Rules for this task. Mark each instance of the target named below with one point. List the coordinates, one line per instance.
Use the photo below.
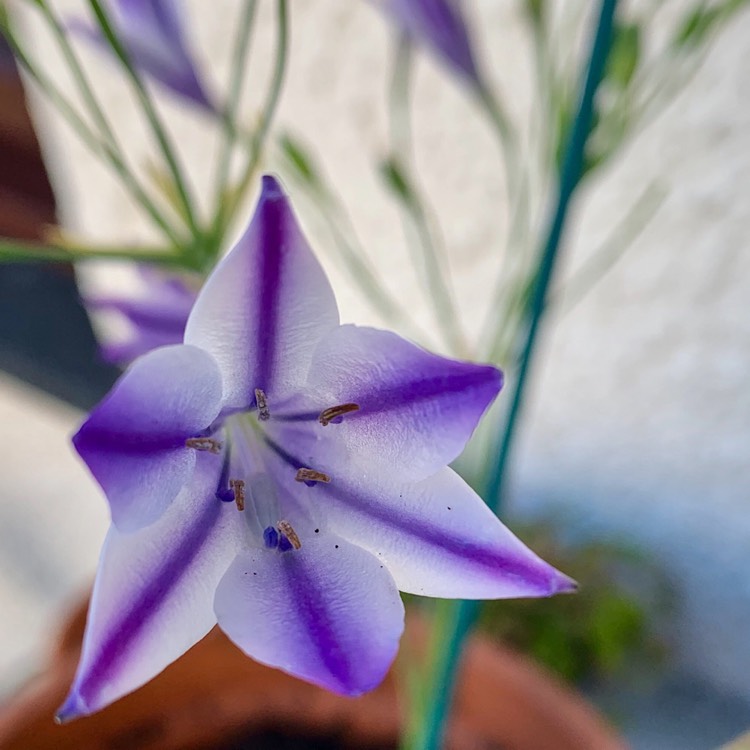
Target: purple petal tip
(271, 188)
(499, 378)
(73, 708)
(563, 584)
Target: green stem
(570, 176)
(425, 252)
(359, 269)
(79, 76)
(332, 212)
(17, 251)
(90, 139)
(237, 76)
(151, 115)
(232, 202)
(398, 98)
(461, 615)
(612, 249)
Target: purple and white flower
(155, 315)
(285, 475)
(439, 25)
(152, 34)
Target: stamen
(270, 537)
(310, 476)
(238, 487)
(335, 413)
(264, 413)
(203, 444)
(285, 528)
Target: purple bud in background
(440, 26)
(154, 317)
(152, 33)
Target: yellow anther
(311, 475)
(238, 487)
(328, 415)
(264, 413)
(203, 444)
(286, 529)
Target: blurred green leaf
(299, 159)
(617, 622)
(600, 630)
(625, 55)
(536, 11)
(701, 21)
(395, 180)
(696, 26)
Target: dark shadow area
(275, 740)
(45, 335)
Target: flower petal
(134, 440)
(328, 612)
(153, 596)
(416, 409)
(437, 538)
(264, 309)
(439, 25)
(153, 37)
(154, 316)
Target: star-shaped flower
(285, 476)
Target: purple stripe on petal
(153, 595)
(265, 307)
(438, 538)
(314, 610)
(271, 216)
(113, 650)
(409, 393)
(134, 441)
(328, 612)
(416, 409)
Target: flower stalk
(461, 616)
(147, 105)
(237, 77)
(232, 199)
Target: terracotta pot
(215, 695)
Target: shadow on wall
(45, 335)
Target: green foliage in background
(608, 627)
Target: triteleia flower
(440, 26)
(155, 315)
(285, 475)
(152, 33)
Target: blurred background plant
(642, 67)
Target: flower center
(282, 537)
(254, 447)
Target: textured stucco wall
(640, 418)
